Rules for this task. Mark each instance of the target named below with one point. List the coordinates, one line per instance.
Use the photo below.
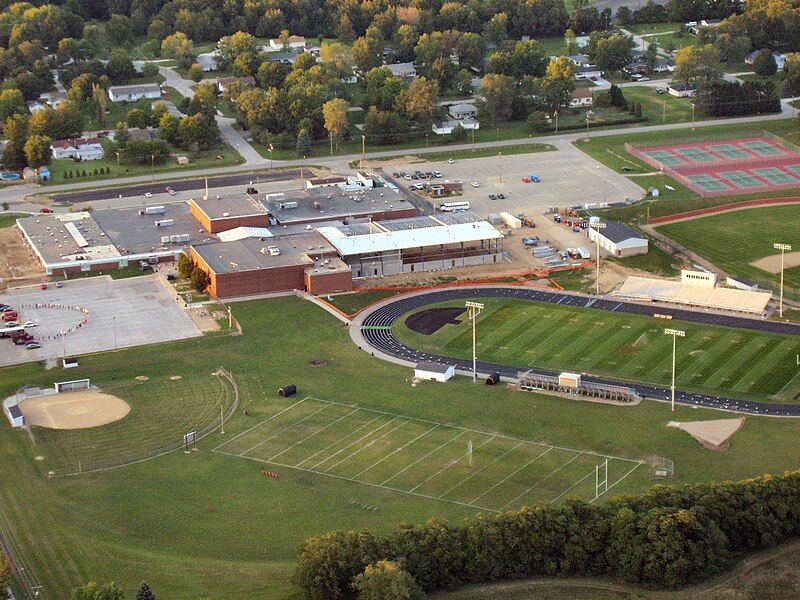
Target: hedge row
(666, 538)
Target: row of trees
(197, 276)
(667, 537)
(109, 591)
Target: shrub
(385, 580)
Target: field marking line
(475, 431)
(636, 466)
(313, 434)
(540, 481)
(421, 458)
(589, 474)
(284, 430)
(450, 464)
(313, 467)
(258, 424)
(348, 479)
(317, 453)
(367, 445)
(506, 478)
(481, 470)
(394, 452)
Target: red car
(10, 316)
(45, 211)
(43, 287)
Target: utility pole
(675, 333)
(597, 225)
(153, 166)
(363, 150)
(783, 248)
(474, 309)
(270, 149)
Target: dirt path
(772, 263)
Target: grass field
(352, 303)
(712, 359)
(8, 219)
(207, 525)
(733, 240)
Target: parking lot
(568, 177)
(121, 313)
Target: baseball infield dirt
(772, 263)
(74, 410)
(714, 435)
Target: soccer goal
(71, 386)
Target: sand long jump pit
(80, 409)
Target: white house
(581, 97)
(298, 42)
(580, 60)
(619, 240)
(588, 72)
(209, 61)
(582, 41)
(434, 371)
(664, 65)
(132, 93)
(694, 27)
(462, 111)
(682, 90)
(405, 70)
(446, 127)
(78, 149)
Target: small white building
(581, 97)
(405, 70)
(132, 93)
(582, 41)
(698, 278)
(78, 149)
(588, 72)
(209, 61)
(13, 413)
(682, 90)
(298, 42)
(463, 111)
(446, 127)
(580, 60)
(434, 371)
(619, 240)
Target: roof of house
(433, 367)
(581, 92)
(464, 107)
(619, 232)
(401, 67)
(683, 87)
(135, 89)
(74, 143)
(290, 39)
(588, 69)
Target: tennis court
(741, 179)
(479, 469)
(722, 167)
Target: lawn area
(352, 303)
(733, 240)
(8, 219)
(656, 261)
(203, 159)
(209, 525)
(476, 153)
(712, 359)
(678, 40)
(648, 28)
(553, 46)
(660, 108)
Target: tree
(303, 146)
(197, 131)
(537, 121)
(185, 266)
(385, 580)
(616, 97)
(145, 152)
(37, 151)
(613, 53)
(764, 63)
(271, 74)
(195, 73)
(367, 53)
(335, 114)
(337, 54)
(121, 134)
(200, 280)
(12, 102)
(119, 67)
(179, 47)
(651, 55)
(16, 132)
(119, 30)
(697, 63)
(495, 32)
(732, 48)
(385, 127)
(499, 91)
(145, 593)
(5, 563)
(137, 118)
(421, 98)
(471, 50)
(459, 134)
(624, 16)
(791, 77)
(94, 591)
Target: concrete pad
(713, 434)
(121, 313)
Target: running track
(376, 329)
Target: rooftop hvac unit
(174, 239)
(155, 210)
(226, 214)
(165, 222)
(184, 237)
(164, 239)
(274, 250)
(286, 205)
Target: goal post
(71, 386)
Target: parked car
(526, 180)
(10, 324)
(33, 346)
(437, 174)
(43, 287)
(644, 79)
(530, 241)
(501, 196)
(492, 197)
(169, 190)
(45, 211)
(148, 195)
(30, 324)
(5, 308)
(171, 277)
(450, 161)
(22, 341)
(10, 315)
(395, 174)
(475, 184)
(59, 284)
(661, 90)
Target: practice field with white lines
(424, 458)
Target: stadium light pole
(675, 333)
(474, 309)
(597, 225)
(783, 248)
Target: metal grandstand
(530, 381)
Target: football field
(478, 469)
(629, 347)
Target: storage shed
(434, 371)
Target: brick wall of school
(226, 223)
(323, 282)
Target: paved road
(371, 330)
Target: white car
(450, 161)
(475, 184)
(31, 324)
(148, 195)
(10, 324)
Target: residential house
(132, 93)
(780, 59)
(581, 97)
(78, 149)
(664, 65)
(588, 72)
(405, 70)
(209, 61)
(446, 127)
(463, 111)
(693, 27)
(224, 82)
(682, 90)
(637, 68)
(298, 42)
(582, 41)
(286, 57)
(580, 60)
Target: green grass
(119, 273)
(775, 81)
(680, 41)
(528, 334)
(656, 261)
(648, 28)
(733, 240)
(208, 525)
(553, 46)
(660, 108)
(352, 303)
(9, 219)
